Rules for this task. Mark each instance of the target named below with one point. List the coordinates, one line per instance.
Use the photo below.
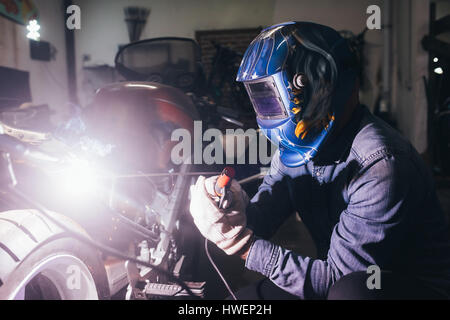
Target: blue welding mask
(298, 76)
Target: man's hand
(224, 227)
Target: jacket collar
(336, 149)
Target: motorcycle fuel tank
(138, 118)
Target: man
(360, 188)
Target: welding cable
(218, 271)
(164, 174)
(100, 246)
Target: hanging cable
(218, 271)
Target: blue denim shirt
(367, 199)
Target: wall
(410, 25)
(442, 8)
(48, 80)
(343, 14)
(104, 29)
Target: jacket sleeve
(368, 233)
(271, 205)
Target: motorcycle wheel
(40, 261)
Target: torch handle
(223, 184)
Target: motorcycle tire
(39, 260)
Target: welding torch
(222, 186)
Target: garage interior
(47, 80)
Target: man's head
(299, 77)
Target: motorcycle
(97, 207)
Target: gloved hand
(224, 227)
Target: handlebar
(19, 149)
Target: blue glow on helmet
(266, 60)
(266, 55)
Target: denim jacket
(367, 199)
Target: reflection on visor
(266, 99)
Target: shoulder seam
(377, 155)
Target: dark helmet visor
(266, 98)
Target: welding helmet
(299, 76)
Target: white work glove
(224, 227)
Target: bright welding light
(78, 179)
(435, 59)
(33, 28)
